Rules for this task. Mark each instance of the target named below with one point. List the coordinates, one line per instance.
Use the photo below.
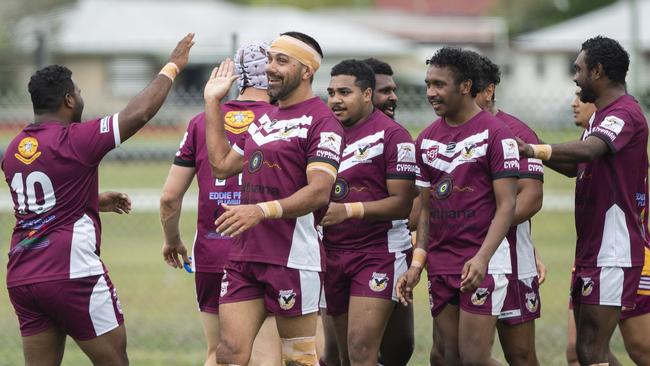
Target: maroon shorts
(522, 302)
(208, 288)
(286, 291)
(642, 299)
(609, 286)
(361, 274)
(83, 308)
(487, 299)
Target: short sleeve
(400, 155)
(324, 142)
(530, 168)
(239, 141)
(92, 140)
(616, 129)
(503, 154)
(422, 177)
(186, 154)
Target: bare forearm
(143, 106)
(567, 169)
(170, 214)
(497, 230)
(529, 199)
(389, 208)
(307, 199)
(216, 140)
(423, 229)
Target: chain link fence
(160, 311)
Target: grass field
(159, 305)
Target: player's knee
(229, 352)
(360, 346)
(299, 351)
(571, 355)
(436, 357)
(520, 355)
(474, 358)
(638, 349)
(397, 352)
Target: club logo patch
(468, 150)
(255, 162)
(341, 189)
(406, 153)
(286, 299)
(238, 121)
(289, 131)
(378, 282)
(510, 149)
(480, 296)
(613, 124)
(362, 152)
(330, 141)
(431, 155)
(443, 188)
(28, 150)
(587, 286)
(532, 303)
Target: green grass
(160, 310)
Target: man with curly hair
(468, 167)
(611, 166)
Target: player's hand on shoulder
(220, 81)
(473, 273)
(525, 150)
(171, 250)
(238, 219)
(181, 54)
(117, 202)
(336, 213)
(406, 283)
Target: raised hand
(181, 54)
(220, 81)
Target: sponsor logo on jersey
(442, 214)
(640, 199)
(587, 286)
(451, 147)
(255, 162)
(613, 124)
(431, 154)
(443, 188)
(28, 150)
(238, 121)
(532, 303)
(406, 153)
(510, 149)
(341, 189)
(480, 296)
(286, 299)
(378, 282)
(330, 141)
(511, 164)
(104, 126)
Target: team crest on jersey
(28, 150)
(330, 141)
(431, 154)
(480, 296)
(255, 162)
(443, 188)
(510, 149)
(532, 303)
(286, 299)
(378, 282)
(468, 150)
(117, 302)
(613, 124)
(406, 153)
(289, 130)
(238, 121)
(587, 286)
(341, 189)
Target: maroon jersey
(611, 191)
(210, 250)
(459, 164)
(276, 153)
(376, 150)
(522, 251)
(51, 169)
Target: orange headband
(297, 49)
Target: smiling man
(365, 234)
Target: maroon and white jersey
(459, 164)
(51, 169)
(522, 251)
(612, 191)
(279, 146)
(210, 250)
(376, 150)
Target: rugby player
(468, 167)
(365, 233)
(611, 166)
(57, 283)
(210, 250)
(289, 161)
(516, 324)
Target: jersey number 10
(28, 188)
